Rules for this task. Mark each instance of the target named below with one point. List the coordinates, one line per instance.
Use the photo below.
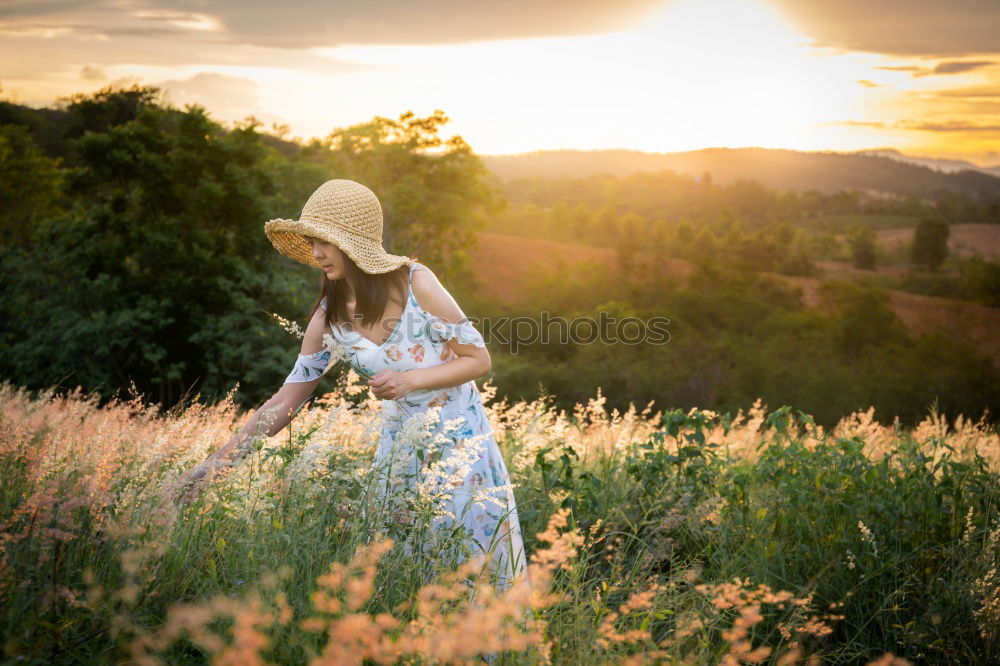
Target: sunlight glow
(698, 73)
(694, 74)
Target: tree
(684, 233)
(862, 241)
(580, 221)
(629, 242)
(705, 246)
(109, 107)
(30, 185)
(862, 316)
(159, 270)
(798, 260)
(435, 192)
(930, 242)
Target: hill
(950, 166)
(514, 260)
(827, 172)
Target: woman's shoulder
(424, 282)
(432, 297)
(417, 267)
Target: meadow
(671, 537)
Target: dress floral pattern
(479, 498)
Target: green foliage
(798, 259)
(30, 185)
(886, 537)
(930, 242)
(864, 317)
(894, 540)
(434, 192)
(862, 242)
(140, 257)
(980, 281)
(842, 224)
(735, 337)
(628, 241)
(109, 107)
(158, 272)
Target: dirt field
(965, 239)
(509, 259)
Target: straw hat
(341, 212)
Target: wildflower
(866, 534)
(969, 527)
(290, 326)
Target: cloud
(307, 23)
(89, 73)
(952, 126)
(932, 28)
(929, 28)
(919, 125)
(54, 53)
(970, 93)
(868, 84)
(947, 67)
(95, 18)
(228, 97)
(16, 8)
(959, 66)
(183, 20)
(856, 123)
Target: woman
(398, 326)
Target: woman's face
(330, 257)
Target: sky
(513, 76)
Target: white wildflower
(969, 526)
(290, 326)
(337, 352)
(443, 476)
(867, 535)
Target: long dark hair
(372, 293)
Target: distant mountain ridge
(888, 173)
(948, 166)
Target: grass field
(654, 537)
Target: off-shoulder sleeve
(309, 367)
(440, 331)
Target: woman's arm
(269, 419)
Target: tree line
(132, 251)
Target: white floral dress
(437, 444)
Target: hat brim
(289, 238)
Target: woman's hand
(391, 384)
(193, 481)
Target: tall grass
(654, 537)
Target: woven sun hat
(342, 212)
